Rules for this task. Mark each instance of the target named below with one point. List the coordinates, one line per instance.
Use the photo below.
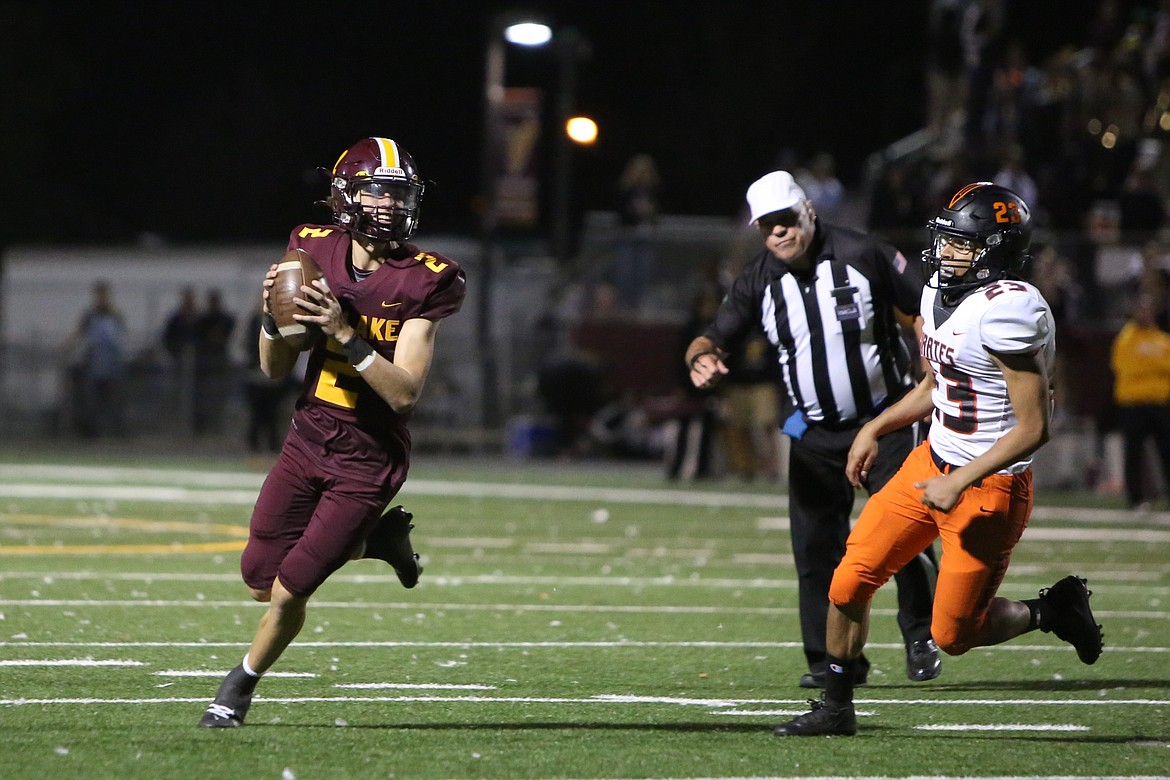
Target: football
(295, 269)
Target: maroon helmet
(385, 173)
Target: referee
(826, 297)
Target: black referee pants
(820, 502)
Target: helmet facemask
(989, 222)
(982, 267)
(379, 208)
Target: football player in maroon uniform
(346, 455)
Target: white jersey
(971, 406)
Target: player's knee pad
(955, 636)
(849, 586)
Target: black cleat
(390, 542)
(815, 678)
(232, 701)
(1064, 611)
(824, 720)
(922, 661)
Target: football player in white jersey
(989, 338)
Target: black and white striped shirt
(840, 350)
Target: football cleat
(824, 720)
(232, 701)
(390, 542)
(922, 661)
(1064, 611)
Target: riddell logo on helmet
(390, 172)
(944, 221)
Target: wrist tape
(268, 327)
(358, 352)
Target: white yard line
(1017, 648)
(610, 699)
(637, 609)
(218, 673)
(1000, 727)
(918, 777)
(416, 686)
(67, 662)
(667, 581)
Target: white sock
(248, 670)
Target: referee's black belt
(837, 426)
(947, 468)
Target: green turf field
(591, 622)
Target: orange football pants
(977, 540)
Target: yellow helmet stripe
(389, 150)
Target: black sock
(1033, 606)
(237, 685)
(839, 680)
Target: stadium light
(528, 34)
(581, 130)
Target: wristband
(268, 327)
(358, 352)
(696, 356)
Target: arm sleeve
(1016, 324)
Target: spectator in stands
(1052, 274)
(895, 208)
(1143, 210)
(179, 333)
(264, 395)
(98, 345)
(944, 70)
(213, 365)
(638, 192)
(691, 417)
(981, 33)
(1016, 178)
(572, 387)
(750, 409)
(1149, 275)
(1141, 371)
(820, 183)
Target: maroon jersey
(409, 284)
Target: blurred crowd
(1084, 124)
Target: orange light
(581, 130)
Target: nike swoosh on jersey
(386, 305)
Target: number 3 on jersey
(962, 394)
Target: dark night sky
(203, 122)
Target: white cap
(774, 192)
